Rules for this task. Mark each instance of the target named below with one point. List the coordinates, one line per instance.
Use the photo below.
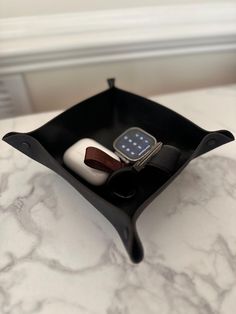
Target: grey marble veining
(59, 255)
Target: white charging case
(74, 159)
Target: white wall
(58, 60)
(13, 8)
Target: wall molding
(43, 42)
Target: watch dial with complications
(134, 143)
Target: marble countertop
(58, 254)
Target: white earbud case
(74, 159)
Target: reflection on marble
(59, 255)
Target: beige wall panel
(60, 88)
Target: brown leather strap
(98, 159)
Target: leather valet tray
(103, 117)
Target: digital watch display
(136, 146)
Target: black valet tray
(103, 117)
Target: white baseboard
(42, 42)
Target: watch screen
(134, 143)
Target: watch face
(134, 143)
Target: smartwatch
(139, 149)
(136, 149)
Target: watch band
(98, 159)
(165, 160)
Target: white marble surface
(59, 255)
